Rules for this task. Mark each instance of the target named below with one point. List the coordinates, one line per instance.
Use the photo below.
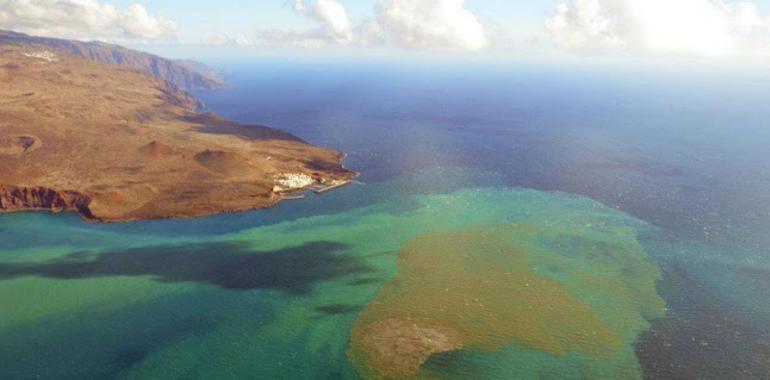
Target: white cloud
(418, 24)
(83, 19)
(431, 24)
(335, 18)
(701, 27)
(333, 26)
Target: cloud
(83, 19)
(333, 26)
(431, 24)
(335, 19)
(700, 27)
(417, 24)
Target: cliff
(187, 75)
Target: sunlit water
(599, 225)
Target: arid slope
(115, 144)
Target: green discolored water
(277, 300)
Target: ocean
(516, 220)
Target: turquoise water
(274, 301)
(632, 221)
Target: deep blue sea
(634, 188)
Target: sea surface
(518, 221)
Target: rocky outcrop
(183, 74)
(15, 198)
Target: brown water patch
(399, 347)
(471, 289)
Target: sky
(705, 30)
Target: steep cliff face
(15, 198)
(186, 75)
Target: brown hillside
(116, 144)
